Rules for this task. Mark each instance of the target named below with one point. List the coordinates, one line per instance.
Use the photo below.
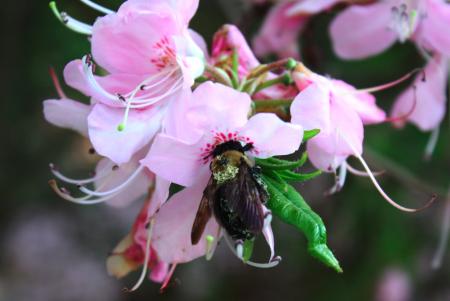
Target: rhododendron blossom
(213, 141)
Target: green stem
(272, 103)
(219, 75)
(285, 79)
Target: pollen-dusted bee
(235, 194)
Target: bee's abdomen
(233, 223)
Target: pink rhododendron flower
(215, 115)
(227, 40)
(429, 96)
(152, 60)
(130, 253)
(339, 111)
(282, 26)
(117, 184)
(279, 32)
(220, 116)
(375, 27)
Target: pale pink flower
(219, 114)
(375, 27)
(282, 26)
(151, 58)
(118, 185)
(214, 115)
(130, 253)
(339, 111)
(279, 32)
(228, 40)
(394, 285)
(428, 95)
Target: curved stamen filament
(66, 179)
(273, 263)
(392, 83)
(168, 277)
(339, 179)
(56, 83)
(86, 200)
(361, 173)
(377, 185)
(116, 189)
(146, 258)
(69, 22)
(97, 7)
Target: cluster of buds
(198, 133)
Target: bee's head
(231, 145)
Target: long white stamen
(377, 185)
(86, 200)
(117, 188)
(69, 22)
(443, 240)
(432, 142)
(274, 262)
(146, 258)
(361, 173)
(168, 277)
(104, 172)
(97, 7)
(88, 72)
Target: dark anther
(115, 167)
(120, 96)
(91, 151)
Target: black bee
(235, 194)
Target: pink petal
(271, 136)
(173, 225)
(137, 189)
(311, 108)
(433, 30)
(113, 83)
(229, 39)
(159, 196)
(362, 31)
(186, 8)
(279, 32)
(311, 7)
(126, 42)
(174, 160)
(362, 102)
(159, 272)
(120, 146)
(218, 106)
(328, 150)
(430, 97)
(67, 113)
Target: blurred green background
(53, 250)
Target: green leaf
(280, 164)
(248, 249)
(310, 134)
(286, 203)
(298, 177)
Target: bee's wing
(246, 197)
(204, 213)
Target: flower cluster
(198, 133)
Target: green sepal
(298, 177)
(287, 204)
(279, 164)
(248, 249)
(307, 135)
